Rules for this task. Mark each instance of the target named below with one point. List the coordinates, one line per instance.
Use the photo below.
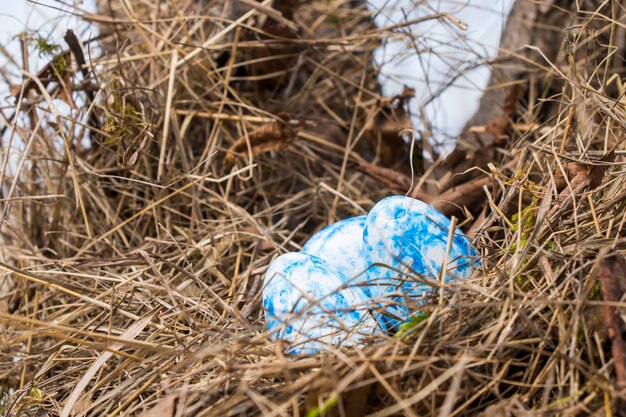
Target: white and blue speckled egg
(308, 303)
(341, 245)
(405, 234)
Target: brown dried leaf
(511, 100)
(270, 137)
(499, 128)
(15, 89)
(570, 171)
(579, 174)
(406, 94)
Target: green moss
(35, 396)
(521, 281)
(581, 332)
(411, 323)
(60, 65)
(46, 48)
(3, 399)
(121, 119)
(524, 221)
(596, 292)
(332, 19)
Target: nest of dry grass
(205, 138)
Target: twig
(612, 277)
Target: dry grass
(132, 267)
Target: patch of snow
(443, 63)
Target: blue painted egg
(308, 303)
(341, 245)
(405, 234)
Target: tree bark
(529, 23)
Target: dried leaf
(406, 94)
(570, 171)
(270, 137)
(581, 175)
(511, 100)
(15, 89)
(499, 127)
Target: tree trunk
(530, 23)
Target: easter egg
(403, 234)
(341, 245)
(308, 304)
